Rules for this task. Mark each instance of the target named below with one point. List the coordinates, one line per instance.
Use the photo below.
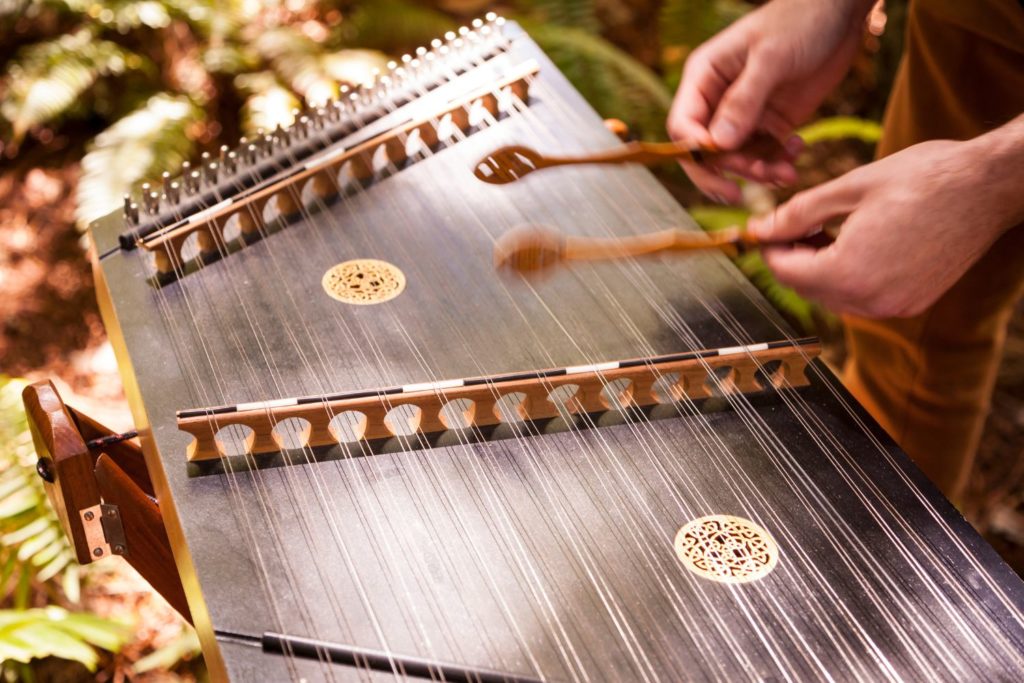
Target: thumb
(807, 211)
(809, 271)
(741, 106)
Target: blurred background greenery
(98, 96)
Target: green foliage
(46, 79)
(184, 647)
(840, 127)
(394, 26)
(36, 558)
(685, 24)
(32, 545)
(140, 145)
(54, 632)
(798, 310)
(614, 83)
(580, 14)
(689, 23)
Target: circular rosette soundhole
(364, 282)
(726, 549)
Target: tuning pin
(152, 202)
(251, 153)
(165, 177)
(131, 210)
(211, 172)
(450, 36)
(491, 17)
(146, 189)
(191, 182)
(231, 163)
(186, 168)
(421, 52)
(173, 192)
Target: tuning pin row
(424, 66)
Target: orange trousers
(928, 380)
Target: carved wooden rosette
(592, 391)
(322, 177)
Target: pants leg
(928, 379)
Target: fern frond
(394, 26)
(580, 14)
(47, 79)
(32, 540)
(614, 83)
(54, 632)
(690, 22)
(140, 145)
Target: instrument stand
(98, 483)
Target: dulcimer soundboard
(377, 457)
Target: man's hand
(769, 71)
(914, 223)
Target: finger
(807, 211)
(722, 190)
(777, 125)
(812, 272)
(739, 111)
(699, 92)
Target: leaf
(18, 502)
(578, 14)
(614, 83)
(53, 632)
(839, 127)
(394, 25)
(48, 78)
(105, 633)
(47, 641)
(185, 646)
(152, 138)
(688, 23)
(30, 533)
(37, 543)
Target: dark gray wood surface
(549, 554)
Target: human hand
(914, 222)
(769, 71)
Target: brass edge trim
(179, 547)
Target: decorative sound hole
(726, 549)
(364, 282)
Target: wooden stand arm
(104, 496)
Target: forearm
(998, 158)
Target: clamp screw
(89, 517)
(98, 552)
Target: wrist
(998, 157)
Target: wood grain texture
(540, 399)
(57, 437)
(149, 549)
